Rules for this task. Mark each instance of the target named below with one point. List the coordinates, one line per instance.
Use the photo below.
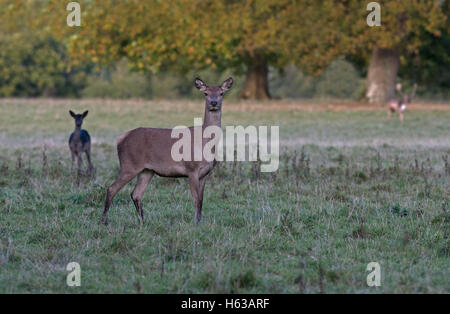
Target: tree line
(246, 37)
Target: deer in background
(399, 104)
(144, 152)
(80, 142)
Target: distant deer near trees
(80, 142)
(400, 103)
(145, 152)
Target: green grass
(352, 188)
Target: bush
(118, 83)
(121, 82)
(339, 80)
(32, 65)
(290, 83)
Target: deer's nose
(213, 103)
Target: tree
(429, 65)
(33, 63)
(406, 27)
(247, 36)
(37, 66)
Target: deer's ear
(85, 114)
(72, 113)
(199, 84)
(227, 84)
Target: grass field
(352, 188)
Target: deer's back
(393, 104)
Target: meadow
(352, 188)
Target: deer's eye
(221, 94)
(206, 94)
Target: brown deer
(399, 104)
(144, 152)
(80, 142)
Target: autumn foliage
(246, 36)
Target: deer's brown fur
(144, 152)
(401, 103)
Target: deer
(400, 104)
(80, 142)
(145, 152)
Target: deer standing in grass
(399, 104)
(80, 142)
(144, 152)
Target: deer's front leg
(194, 184)
(200, 197)
(80, 162)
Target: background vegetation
(255, 40)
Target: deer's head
(78, 118)
(213, 94)
(406, 99)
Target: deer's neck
(212, 118)
(77, 133)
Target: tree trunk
(256, 82)
(382, 75)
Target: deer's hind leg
(121, 181)
(202, 183)
(143, 180)
(80, 162)
(88, 156)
